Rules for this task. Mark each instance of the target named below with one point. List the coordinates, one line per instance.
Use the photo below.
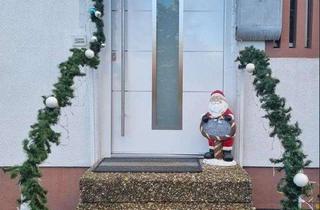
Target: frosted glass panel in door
(167, 92)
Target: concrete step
(215, 184)
(165, 206)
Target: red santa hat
(217, 92)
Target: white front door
(172, 54)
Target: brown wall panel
(62, 185)
(265, 180)
(9, 192)
(299, 50)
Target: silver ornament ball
(300, 179)
(98, 14)
(51, 102)
(89, 53)
(250, 67)
(94, 39)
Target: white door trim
(102, 95)
(230, 67)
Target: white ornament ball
(94, 39)
(300, 179)
(98, 14)
(250, 67)
(51, 102)
(103, 45)
(89, 53)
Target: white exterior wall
(35, 36)
(299, 84)
(33, 42)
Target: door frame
(102, 145)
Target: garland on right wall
(295, 184)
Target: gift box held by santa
(218, 126)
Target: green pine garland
(292, 160)
(41, 136)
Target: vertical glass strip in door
(167, 65)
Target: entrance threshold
(134, 155)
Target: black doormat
(147, 164)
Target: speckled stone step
(215, 184)
(165, 206)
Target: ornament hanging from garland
(92, 10)
(98, 14)
(52, 102)
(89, 53)
(250, 67)
(300, 179)
(94, 39)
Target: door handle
(123, 68)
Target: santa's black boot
(227, 156)
(209, 155)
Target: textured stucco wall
(299, 84)
(35, 37)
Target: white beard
(217, 109)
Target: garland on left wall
(41, 136)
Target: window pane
(309, 6)
(167, 92)
(293, 23)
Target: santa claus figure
(219, 110)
